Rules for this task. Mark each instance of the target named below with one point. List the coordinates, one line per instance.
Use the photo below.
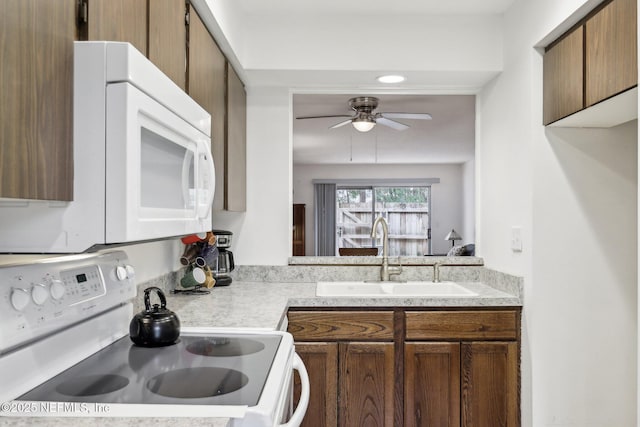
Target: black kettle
(155, 326)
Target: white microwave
(143, 168)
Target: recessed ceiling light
(391, 78)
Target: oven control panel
(39, 298)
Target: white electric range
(65, 351)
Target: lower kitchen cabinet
(366, 384)
(321, 361)
(428, 367)
(490, 384)
(432, 384)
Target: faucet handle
(396, 269)
(436, 271)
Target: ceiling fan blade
(392, 123)
(337, 125)
(414, 116)
(322, 117)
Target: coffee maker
(223, 263)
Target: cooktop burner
(224, 347)
(91, 385)
(193, 383)
(200, 369)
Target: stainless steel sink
(392, 289)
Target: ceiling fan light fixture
(363, 124)
(391, 78)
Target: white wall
(574, 192)
(263, 234)
(446, 197)
(468, 229)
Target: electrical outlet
(516, 239)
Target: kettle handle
(147, 302)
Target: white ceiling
(447, 138)
(383, 7)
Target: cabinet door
(36, 102)
(432, 384)
(168, 38)
(118, 20)
(236, 144)
(206, 85)
(611, 51)
(563, 77)
(490, 384)
(366, 384)
(321, 361)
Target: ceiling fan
(365, 118)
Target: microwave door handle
(186, 169)
(205, 154)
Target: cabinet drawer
(340, 325)
(423, 325)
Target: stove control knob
(57, 289)
(131, 273)
(121, 272)
(39, 294)
(19, 298)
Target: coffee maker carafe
(223, 264)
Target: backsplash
(166, 283)
(503, 282)
(314, 273)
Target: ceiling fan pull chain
(351, 146)
(376, 148)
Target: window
(406, 209)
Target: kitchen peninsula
(264, 304)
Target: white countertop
(264, 304)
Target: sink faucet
(386, 270)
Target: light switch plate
(516, 239)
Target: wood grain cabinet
(490, 385)
(207, 86)
(115, 20)
(213, 83)
(36, 105)
(563, 77)
(611, 54)
(479, 369)
(594, 61)
(418, 367)
(168, 39)
(432, 384)
(350, 358)
(235, 173)
(36, 82)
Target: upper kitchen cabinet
(168, 38)
(36, 106)
(591, 69)
(115, 20)
(206, 85)
(563, 77)
(235, 192)
(611, 54)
